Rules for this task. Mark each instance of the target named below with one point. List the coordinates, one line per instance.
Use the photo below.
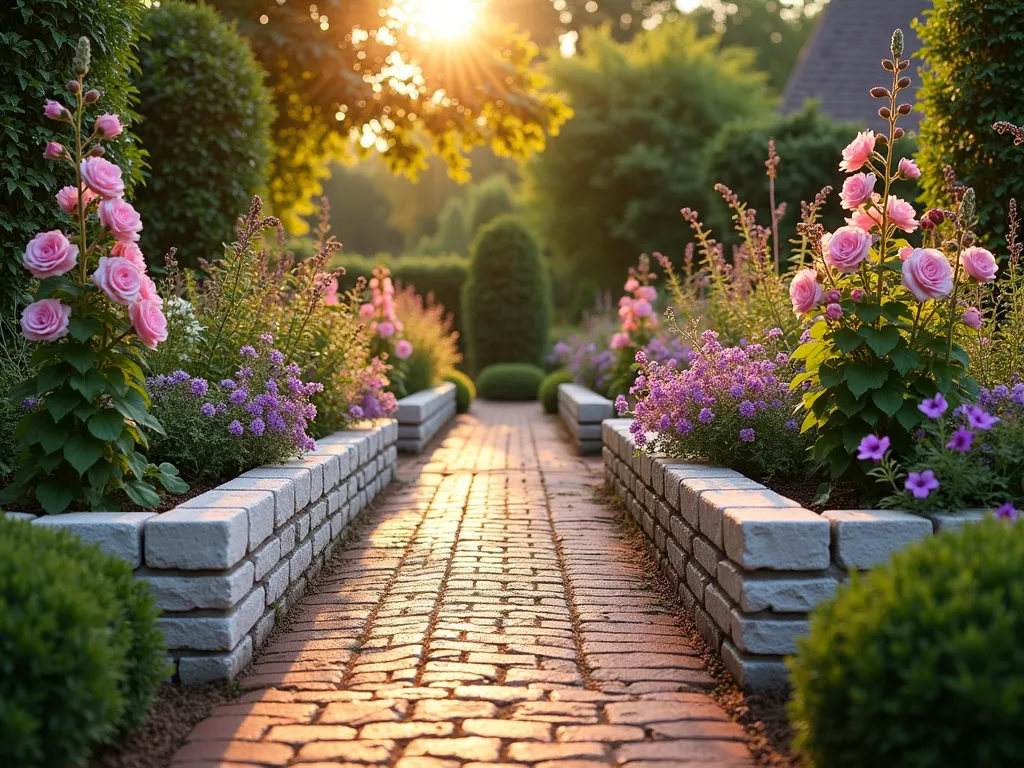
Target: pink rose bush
(885, 339)
(95, 309)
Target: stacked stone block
(422, 415)
(749, 563)
(225, 565)
(582, 411)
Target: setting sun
(446, 19)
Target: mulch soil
(805, 491)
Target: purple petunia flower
(199, 387)
(684, 426)
(872, 448)
(228, 384)
(208, 409)
(238, 397)
(29, 403)
(791, 425)
(276, 357)
(747, 435)
(934, 407)
(222, 408)
(249, 351)
(255, 408)
(256, 426)
(276, 422)
(747, 409)
(244, 373)
(357, 413)
(978, 418)
(621, 405)
(773, 333)
(267, 338)
(921, 484)
(236, 428)
(705, 415)
(178, 377)
(961, 440)
(1007, 512)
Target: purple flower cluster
(266, 400)
(373, 401)
(592, 363)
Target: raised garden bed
(422, 415)
(750, 563)
(224, 565)
(582, 411)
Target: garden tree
(974, 56)
(488, 200)
(547, 20)
(384, 72)
(775, 29)
(611, 184)
(199, 180)
(453, 232)
(360, 212)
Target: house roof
(841, 61)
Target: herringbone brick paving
(488, 613)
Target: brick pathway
(487, 614)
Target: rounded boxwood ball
(548, 392)
(509, 381)
(921, 661)
(465, 390)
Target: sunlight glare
(444, 19)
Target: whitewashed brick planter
(224, 565)
(422, 415)
(582, 411)
(750, 563)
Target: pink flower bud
(972, 318)
(857, 295)
(55, 110)
(92, 96)
(832, 296)
(53, 151)
(108, 125)
(834, 311)
(74, 86)
(909, 169)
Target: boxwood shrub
(207, 120)
(506, 300)
(509, 381)
(80, 655)
(465, 390)
(920, 662)
(548, 392)
(38, 40)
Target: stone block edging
(750, 563)
(423, 414)
(582, 411)
(226, 564)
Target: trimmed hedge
(506, 300)
(920, 662)
(548, 392)
(38, 41)
(509, 381)
(80, 654)
(207, 128)
(465, 390)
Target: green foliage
(435, 346)
(974, 52)
(643, 113)
(490, 199)
(919, 662)
(808, 144)
(83, 445)
(453, 233)
(14, 367)
(207, 121)
(509, 381)
(548, 392)
(506, 299)
(80, 655)
(361, 212)
(38, 38)
(465, 390)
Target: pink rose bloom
(647, 293)
(901, 213)
(53, 109)
(846, 248)
(50, 254)
(927, 274)
(131, 251)
(386, 329)
(45, 320)
(121, 219)
(857, 295)
(905, 252)
(979, 264)
(642, 308)
(119, 279)
(103, 177)
(834, 311)
(53, 151)
(972, 318)
(108, 125)
(147, 290)
(857, 190)
(631, 285)
(909, 169)
(67, 199)
(620, 340)
(403, 349)
(150, 324)
(865, 218)
(858, 152)
(366, 311)
(805, 291)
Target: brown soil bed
(805, 491)
(167, 502)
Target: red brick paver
(489, 613)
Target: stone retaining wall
(422, 415)
(226, 564)
(750, 564)
(582, 411)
